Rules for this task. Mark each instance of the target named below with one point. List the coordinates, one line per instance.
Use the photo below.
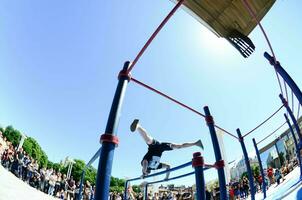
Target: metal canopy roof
(224, 16)
(230, 19)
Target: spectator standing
(52, 183)
(70, 188)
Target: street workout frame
(109, 139)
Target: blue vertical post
(290, 82)
(261, 168)
(285, 103)
(296, 143)
(198, 164)
(217, 152)
(247, 163)
(126, 190)
(146, 192)
(81, 184)
(107, 152)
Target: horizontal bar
(263, 121)
(173, 178)
(271, 133)
(96, 155)
(163, 172)
(176, 177)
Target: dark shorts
(156, 149)
(162, 146)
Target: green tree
(255, 170)
(244, 174)
(136, 188)
(12, 135)
(49, 164)
(32, 147)
(91, 175)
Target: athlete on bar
(151, 160)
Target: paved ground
(12, 188)
(290, 189)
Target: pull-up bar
(271, 133)
(173, 178)
(155, 174)
(177, 102)
(163, 172)
(263, 121)
(252, 13)
(162, 24)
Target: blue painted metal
(291, 83)
(218, 157)
(146, 192)
(292, 118)
(81, 184)
(199, 177)
(164, 172)
(173, 178)
(247, 163)
(95, 156)
(107, 152)
(126, 190)
(296, 143)
(261, 168)
(157, 174)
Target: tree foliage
(12, 135)
(33, 149)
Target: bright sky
(60, 60)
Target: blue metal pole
(261, 168)
(291, 83)
(107, 151)
(146, 192)
(81, 184)
(218, 157)
(198, 164)
(292, 118)
(126, 190)
(247, 163)
(296, 143)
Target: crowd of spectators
(55, 183)
(47, 180)
(273, 176)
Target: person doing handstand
(151, 160)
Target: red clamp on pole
(219, 164)
(209, 119)
(109, 138)
(197, 160)
(285, 103)
(124, 73)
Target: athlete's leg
(167, 167)
(145, 168)
(187, 144)
(143, 133)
